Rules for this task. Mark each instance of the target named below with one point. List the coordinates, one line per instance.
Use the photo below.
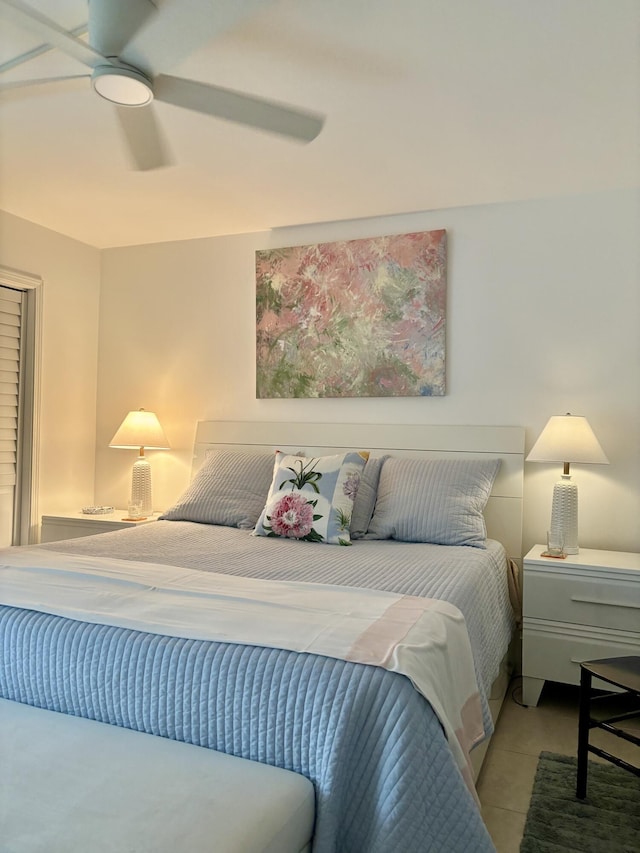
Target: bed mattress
(384, 775)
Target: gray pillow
(433, 500)
(366, 498)
(230, 489)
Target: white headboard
(503, 513)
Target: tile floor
(506, 779)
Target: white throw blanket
(424, 639)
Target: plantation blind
(10, 329)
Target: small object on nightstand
(97, 510)
(134, 511)
(555, 545)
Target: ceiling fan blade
(144, 137)
(37, 51)
(24, 16)
(180, 27)
(238, 107)
(41, 81)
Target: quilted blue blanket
(384, 775)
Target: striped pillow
(229, 489)
(433, 500)
(366, 498)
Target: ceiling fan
(130, 41)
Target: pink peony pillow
(311, 498)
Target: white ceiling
(429, 104)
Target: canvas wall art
(358, 318)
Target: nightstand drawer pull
(588, 600)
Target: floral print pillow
(311, 498)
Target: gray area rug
(607, 821)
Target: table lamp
(567, 438)
(139, 430)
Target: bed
(385, 766)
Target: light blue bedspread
(385, 779)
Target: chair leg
(583, 733)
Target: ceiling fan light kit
(127, 87)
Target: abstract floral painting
(358, 318)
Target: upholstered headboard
(503, 513)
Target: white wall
(71, 287)
(542, 319)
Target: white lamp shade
(140, 429)
(567, 438)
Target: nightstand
(71, 525)
(584, 607)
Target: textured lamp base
(564, 513)
(141, 485)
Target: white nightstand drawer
(555, 655)
(582, 601)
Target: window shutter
(10, 327)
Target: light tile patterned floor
(506, 779)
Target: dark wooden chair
(622, 672)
